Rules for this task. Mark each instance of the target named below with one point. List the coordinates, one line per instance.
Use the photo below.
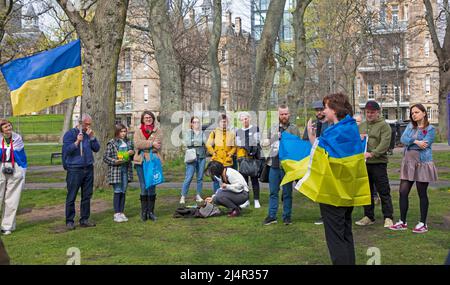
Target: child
(118, 157)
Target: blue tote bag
(153, 172)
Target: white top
(236, 181)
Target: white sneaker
(118, 218)
(245, 205)
(6, 233)
(198, 199)
(182, 201)
(257, 205)
(124, 218)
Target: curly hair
(339, 103)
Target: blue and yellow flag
(336, 172)
(294, 156)
(44, 79)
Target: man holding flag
(333, 173)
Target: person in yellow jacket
(221, 145)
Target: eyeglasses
(196, 122)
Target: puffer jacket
(221, 145)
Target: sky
(238, 8)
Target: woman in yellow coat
(221, 145)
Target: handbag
(191, 154)
(153, 172)
(264, 176)
(250, 167)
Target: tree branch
(75, 18)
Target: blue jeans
(151, 191)
(275, 177)
(196, 166)
(122, 187)
(77, 178)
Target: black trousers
(337, 222)
(378, 178)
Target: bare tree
(169, 70)
(102, 38)
(215, 35)
(6, 7)
(298, 75)
(443, 55)
(265, 61)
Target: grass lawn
(40, 154)
(38, 124)
(218, 240)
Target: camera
(8, 170)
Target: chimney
(229, 23)
(238, 27)
(192, 16)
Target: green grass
(38, 124)
(218, 240)
(40, 154)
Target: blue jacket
(410, 135)
(71, 152)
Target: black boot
(144, 207)
(151, 207)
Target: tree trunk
(68, 117)
(102, 39)
(213, 57)
(297, 84)
(5, 9)
(169, 73)
(264, 52)
(444, 90)
(443, 55)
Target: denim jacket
(410, 135)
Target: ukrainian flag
(336, 172)
(44, 79)
(294, 156)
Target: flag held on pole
(44, 79)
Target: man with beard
(276, 173)
(320, 125)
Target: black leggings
(405, 188)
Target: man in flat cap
(378, 134)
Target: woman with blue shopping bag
(147, 161)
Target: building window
(395, 15)
(145, 93)
(427, 84)
(382, 11)
(358, 86)
(429, 113)
(127, 61)
(370, 92)
(396, 93)
(385, 113)
(384, 89)
(264, 5)
(146, 62)
(427, 47)
(406, 12)
(408, 86)
(407, 50)
(370, 57)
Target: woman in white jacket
(233, 191)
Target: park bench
(55, 155)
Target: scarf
(147, 130)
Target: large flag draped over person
(336, 172)
(44, 79)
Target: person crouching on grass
(118, 157)
(233, 189)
